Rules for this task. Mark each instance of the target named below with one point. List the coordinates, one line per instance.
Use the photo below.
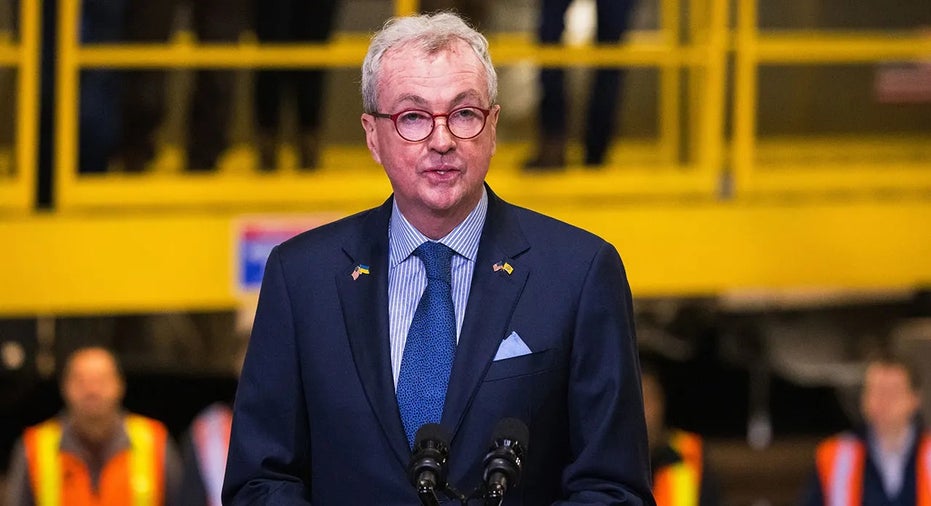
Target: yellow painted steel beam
(106, 263)
(366, 183)
(349, 52)
(821, 47)
(821, 179)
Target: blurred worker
(206, 446)
(887, 461)
(613, 20)
(283, 21)
(677, 457)
(94, 452)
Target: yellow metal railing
(700, 49)
(18, 169)
(695, 172)
(855, 169)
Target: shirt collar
(403, 238)
(897, 453)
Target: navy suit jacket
(316, 419)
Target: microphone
(503, 462)
(427, 467)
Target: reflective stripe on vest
(679, 484)
(845, 459)
(42, 444)
(923, 471)
(211, 439)
(142, 460)
(146, 461)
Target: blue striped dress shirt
(407, 278)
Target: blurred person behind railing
(284, 21)
(473, 11)
(681, 476)
(613, 20)
(886, 460)
(120, 113)
(94, 452)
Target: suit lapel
(364, 300)
(492, 299)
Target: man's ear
(371, 135)
(493, 124)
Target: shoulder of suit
(538, 226)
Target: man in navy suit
(538, 314)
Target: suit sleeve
(269, 459)
(609, 462)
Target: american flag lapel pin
(359, 270)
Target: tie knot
(436, 258)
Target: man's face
(888, 400)
(440, 176)
(92, 387)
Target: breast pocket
(524, 365)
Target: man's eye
(467, 114)
(413, 117)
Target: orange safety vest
(679, 484)
(133, 477)
(211, 434)
(841, 461)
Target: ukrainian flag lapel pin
(359, 270)
(503, 266)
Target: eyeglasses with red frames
(415, 125)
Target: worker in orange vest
(94, 453)
(677, 457)
(887, 461)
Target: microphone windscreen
(431, 432)
(512, 429)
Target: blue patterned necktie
(431, 344)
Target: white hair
(429, 33)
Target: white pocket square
(512, 346)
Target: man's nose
(441, 139)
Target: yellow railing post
(406, 7)
(66, 100)
(670, 70)
(27, 100)
(17, 190)
(697, 76)
(710, 134)
(745, 94)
